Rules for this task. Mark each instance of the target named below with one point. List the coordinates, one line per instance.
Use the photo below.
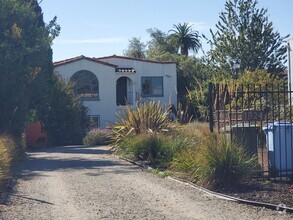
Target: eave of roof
(74, 59)
(130, 58)
(125, 70)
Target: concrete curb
(280, 208)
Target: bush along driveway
(76, 182)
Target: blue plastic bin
(279, 140)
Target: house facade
(106, 85)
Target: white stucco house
(106, 84)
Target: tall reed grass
(213, 161)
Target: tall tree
(245, 34)
(22, 49)
(160, 43)
(136, 49)
(186, 38)
(25, 57)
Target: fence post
(211, 107)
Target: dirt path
(89, 183)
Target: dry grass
(7, 149)
(193, 130)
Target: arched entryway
(124, 91)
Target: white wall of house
(149, 68)
(106, 105)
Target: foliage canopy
(244, 34)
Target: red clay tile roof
(130, 58)
(71, 60)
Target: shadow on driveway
(68, 159)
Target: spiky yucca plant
(148, 116)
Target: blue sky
(97, 28)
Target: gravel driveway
(76, 182)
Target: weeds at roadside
(266, 182)
(161, 174)
(11, 150)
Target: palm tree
(187, 38)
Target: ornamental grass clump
(184, 162)
(145, 117)
(213, 161)
(222, 163)
(98, 136)
(154, 148)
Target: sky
(96, 28)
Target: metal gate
(260, 118)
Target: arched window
(86, 84)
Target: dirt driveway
(76, 182)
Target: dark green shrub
(63, 115)
(97, 137)
(154, 148)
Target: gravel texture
(76, 182)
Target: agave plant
(148, 116)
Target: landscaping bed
(276, 193)
(191, 152)
(265, 191)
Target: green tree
(160, 43)
(186, 38)
(136, 49)
(62, 114)
(193, 74)
(245, 34)
(25, 54)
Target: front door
(121, 91)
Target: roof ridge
(70, 60)
(137, 59)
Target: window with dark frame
(152, 86)
(94, 121)
(86, 84)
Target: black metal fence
(260, 118)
